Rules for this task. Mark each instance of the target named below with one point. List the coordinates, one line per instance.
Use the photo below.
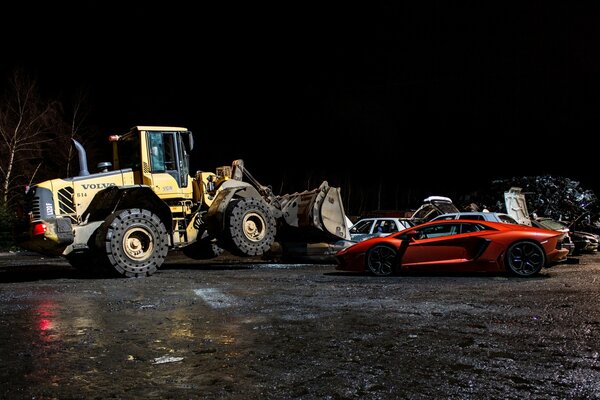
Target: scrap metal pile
(549, 196)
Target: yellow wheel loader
(126, 219)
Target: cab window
(162, 151)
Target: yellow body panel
(83, 190)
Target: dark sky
(432, 96)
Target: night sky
(427, 97)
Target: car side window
(377, 227)
(434, 231)
(392, 227)
(385, 226)
(467, 228)
(362, 227)
(405, 224)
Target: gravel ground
(245, 329)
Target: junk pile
(549, 196)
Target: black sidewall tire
(391, 256)
(512, 269)
(234, 237)
(115, 228)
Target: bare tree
(25, 121)
(70, 125)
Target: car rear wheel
(525, 258)
(381, 260)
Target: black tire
(524, 259)
(249, 228)
(134, 242)
(382, 260)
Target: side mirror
(191, 140)
(410, 236)
(190, 143)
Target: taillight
(39, 228)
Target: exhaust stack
(83, 168)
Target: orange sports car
(457, 246)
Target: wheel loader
(126, 217)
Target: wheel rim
(381, 261)
(525, 258)
(254, 227)
(138, 244)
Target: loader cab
(158, 157)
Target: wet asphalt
(247, 329)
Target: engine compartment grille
(32, 206)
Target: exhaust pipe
(83, 168)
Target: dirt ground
(248, 330)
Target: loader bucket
(319, 214)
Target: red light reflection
(45, 318)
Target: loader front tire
(249, 228)
(134, 242)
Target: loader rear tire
(249, 228)
(134, 242)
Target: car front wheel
(525, 259)
(381, 260)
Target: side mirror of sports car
(410, 236)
